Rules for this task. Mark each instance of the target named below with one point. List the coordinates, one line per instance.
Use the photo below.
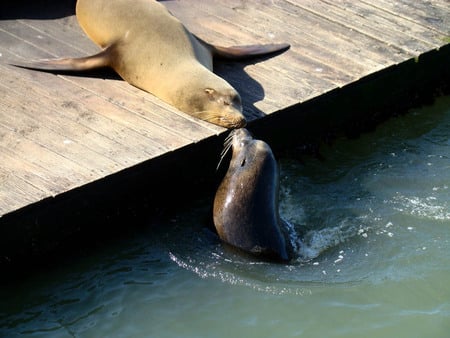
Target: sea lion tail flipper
(248, 51)
(99, 60)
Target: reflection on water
(374, 220)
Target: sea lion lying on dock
(245, 208)
(152, 50)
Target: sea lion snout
(239, 135)
(221, 106)
(234, 119)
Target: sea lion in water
(245, 210)
(152, 50)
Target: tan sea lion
(245, 210)
(152, 50)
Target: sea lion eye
(209, 91)
(243, 162)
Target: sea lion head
(246, 202)
(210, 98)
(223, 107)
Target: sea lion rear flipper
(99, 60)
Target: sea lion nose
(241, 123)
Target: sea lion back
(107, 22)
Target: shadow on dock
(36, 9)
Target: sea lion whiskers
(226, 147)
(217, 118)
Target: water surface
(374, 217)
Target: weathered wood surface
(60, 132)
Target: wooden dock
(73, 147)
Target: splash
(315, 242)
(423, 207)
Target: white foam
(317, 241)
(422, 207)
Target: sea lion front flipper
(248, 51)
(99, 60)
(244, 52)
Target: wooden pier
(75, 151)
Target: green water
(374, 216)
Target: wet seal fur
(152, 50)
(245, 210)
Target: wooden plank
(54, 134)
(53, 166)
(433, 15)
(76, 106)
(18, 47)
(41, 42)
(66, 32)
(16, 193)
(53, 128)
(408, 29)
(351, 45)
(382, 34)
(16, 169)
(91, 111)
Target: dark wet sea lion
(152, 50)
(245, 208)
